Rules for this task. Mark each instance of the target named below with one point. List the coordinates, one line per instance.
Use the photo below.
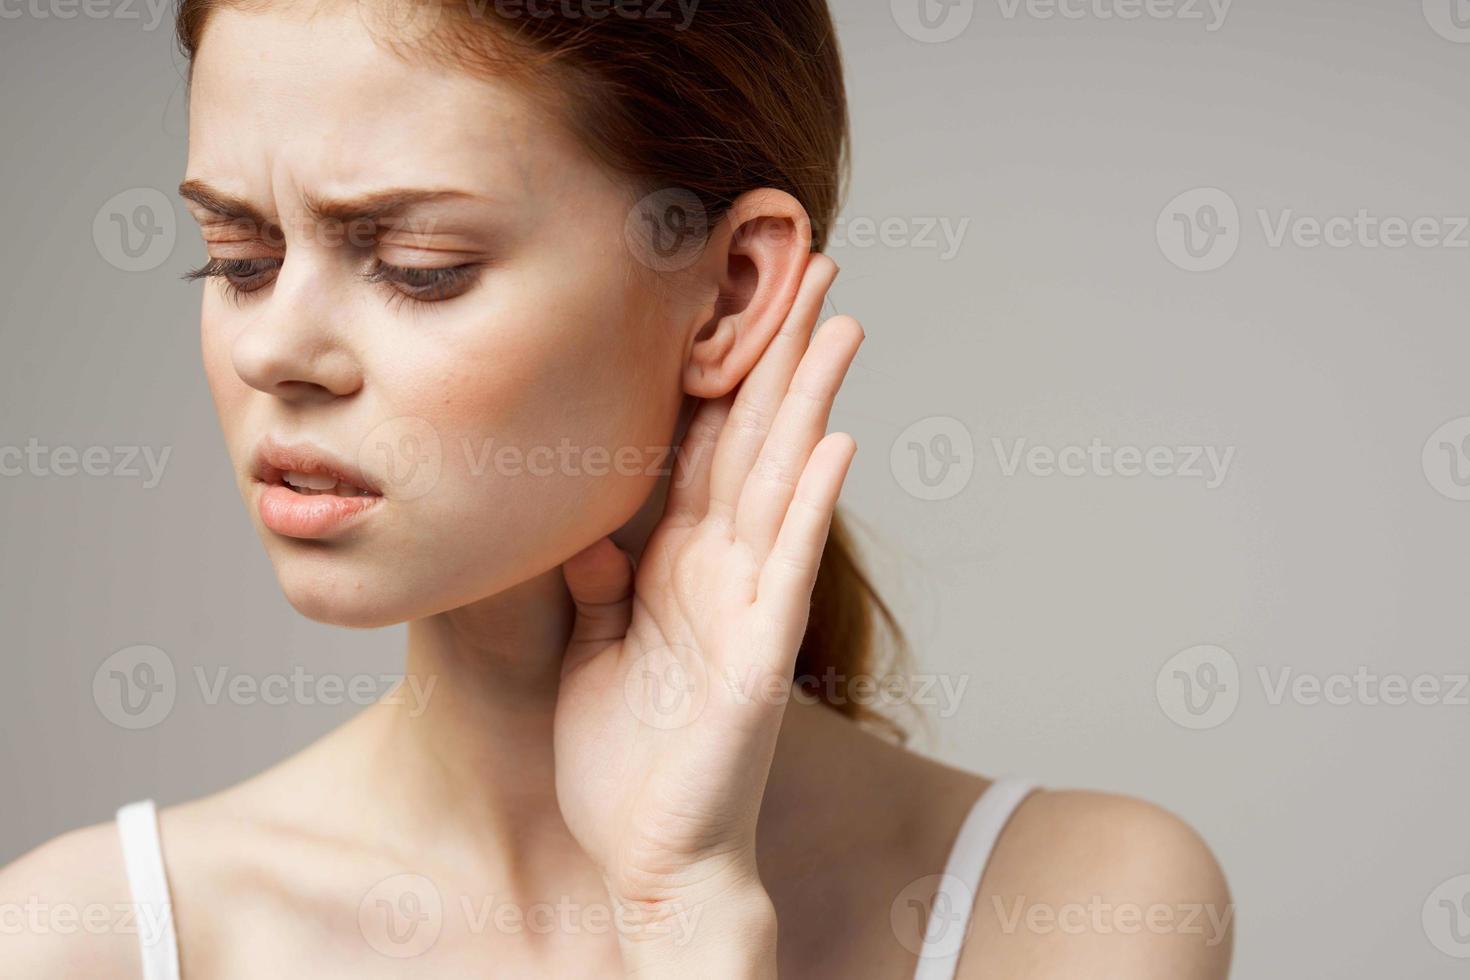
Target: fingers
(688, 498)
(798, 428)
(786, 580)
(600, 580)
(763, 390)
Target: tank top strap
(954, 899)
(142, 847)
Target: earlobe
(756, 259)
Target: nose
(292, 350)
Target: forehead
(311, 95)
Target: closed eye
(421, 285)
(240, 276)
(432, 285)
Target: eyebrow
(367, 206)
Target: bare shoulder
(1087, 883)
(66, 909)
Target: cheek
(555, 415)
(225, 384)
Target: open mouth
(308, 493)
(315, 484)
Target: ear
(753, 262)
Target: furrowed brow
(377, 204)
(220, 203)
(363, 207)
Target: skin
(529, 775)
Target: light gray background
(1062, 319)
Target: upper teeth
(311, 481)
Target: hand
(676, 677)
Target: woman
(472, 269)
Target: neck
(483, 733)
(469, 739)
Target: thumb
(600, 579)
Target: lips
(307, 492)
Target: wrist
(721, 927)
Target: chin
(328, 593)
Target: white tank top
(947, 922)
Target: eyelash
(414, 285)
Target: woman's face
(480, 352)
